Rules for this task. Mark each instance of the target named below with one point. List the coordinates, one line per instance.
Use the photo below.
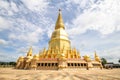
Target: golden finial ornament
(59, 22)
(29, 52)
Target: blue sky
(91, 25)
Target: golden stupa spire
(95, 54)
(59, 23)
(97, 57)
(29, 52)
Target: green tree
(119, 60)
(12, 63)
(104, 61)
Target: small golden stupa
(59, 54)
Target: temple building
(59, 54)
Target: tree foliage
(8, 63)
(104, 61)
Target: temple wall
(47, 65)
(54, 64)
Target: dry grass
(74, 74)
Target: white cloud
(4, 24)
(36, 5)
(50, 30)
(14, 7)
(3, 42)
(103, 17)
(4, 4)
(26, 31)
(81, 3)
(21, 27)
(8, 7)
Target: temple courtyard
(73, 74)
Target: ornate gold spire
(59, 23)
(29, 52)
(97, 57)
(95, 54)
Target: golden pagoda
(59, 54)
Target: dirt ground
(74, 74)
